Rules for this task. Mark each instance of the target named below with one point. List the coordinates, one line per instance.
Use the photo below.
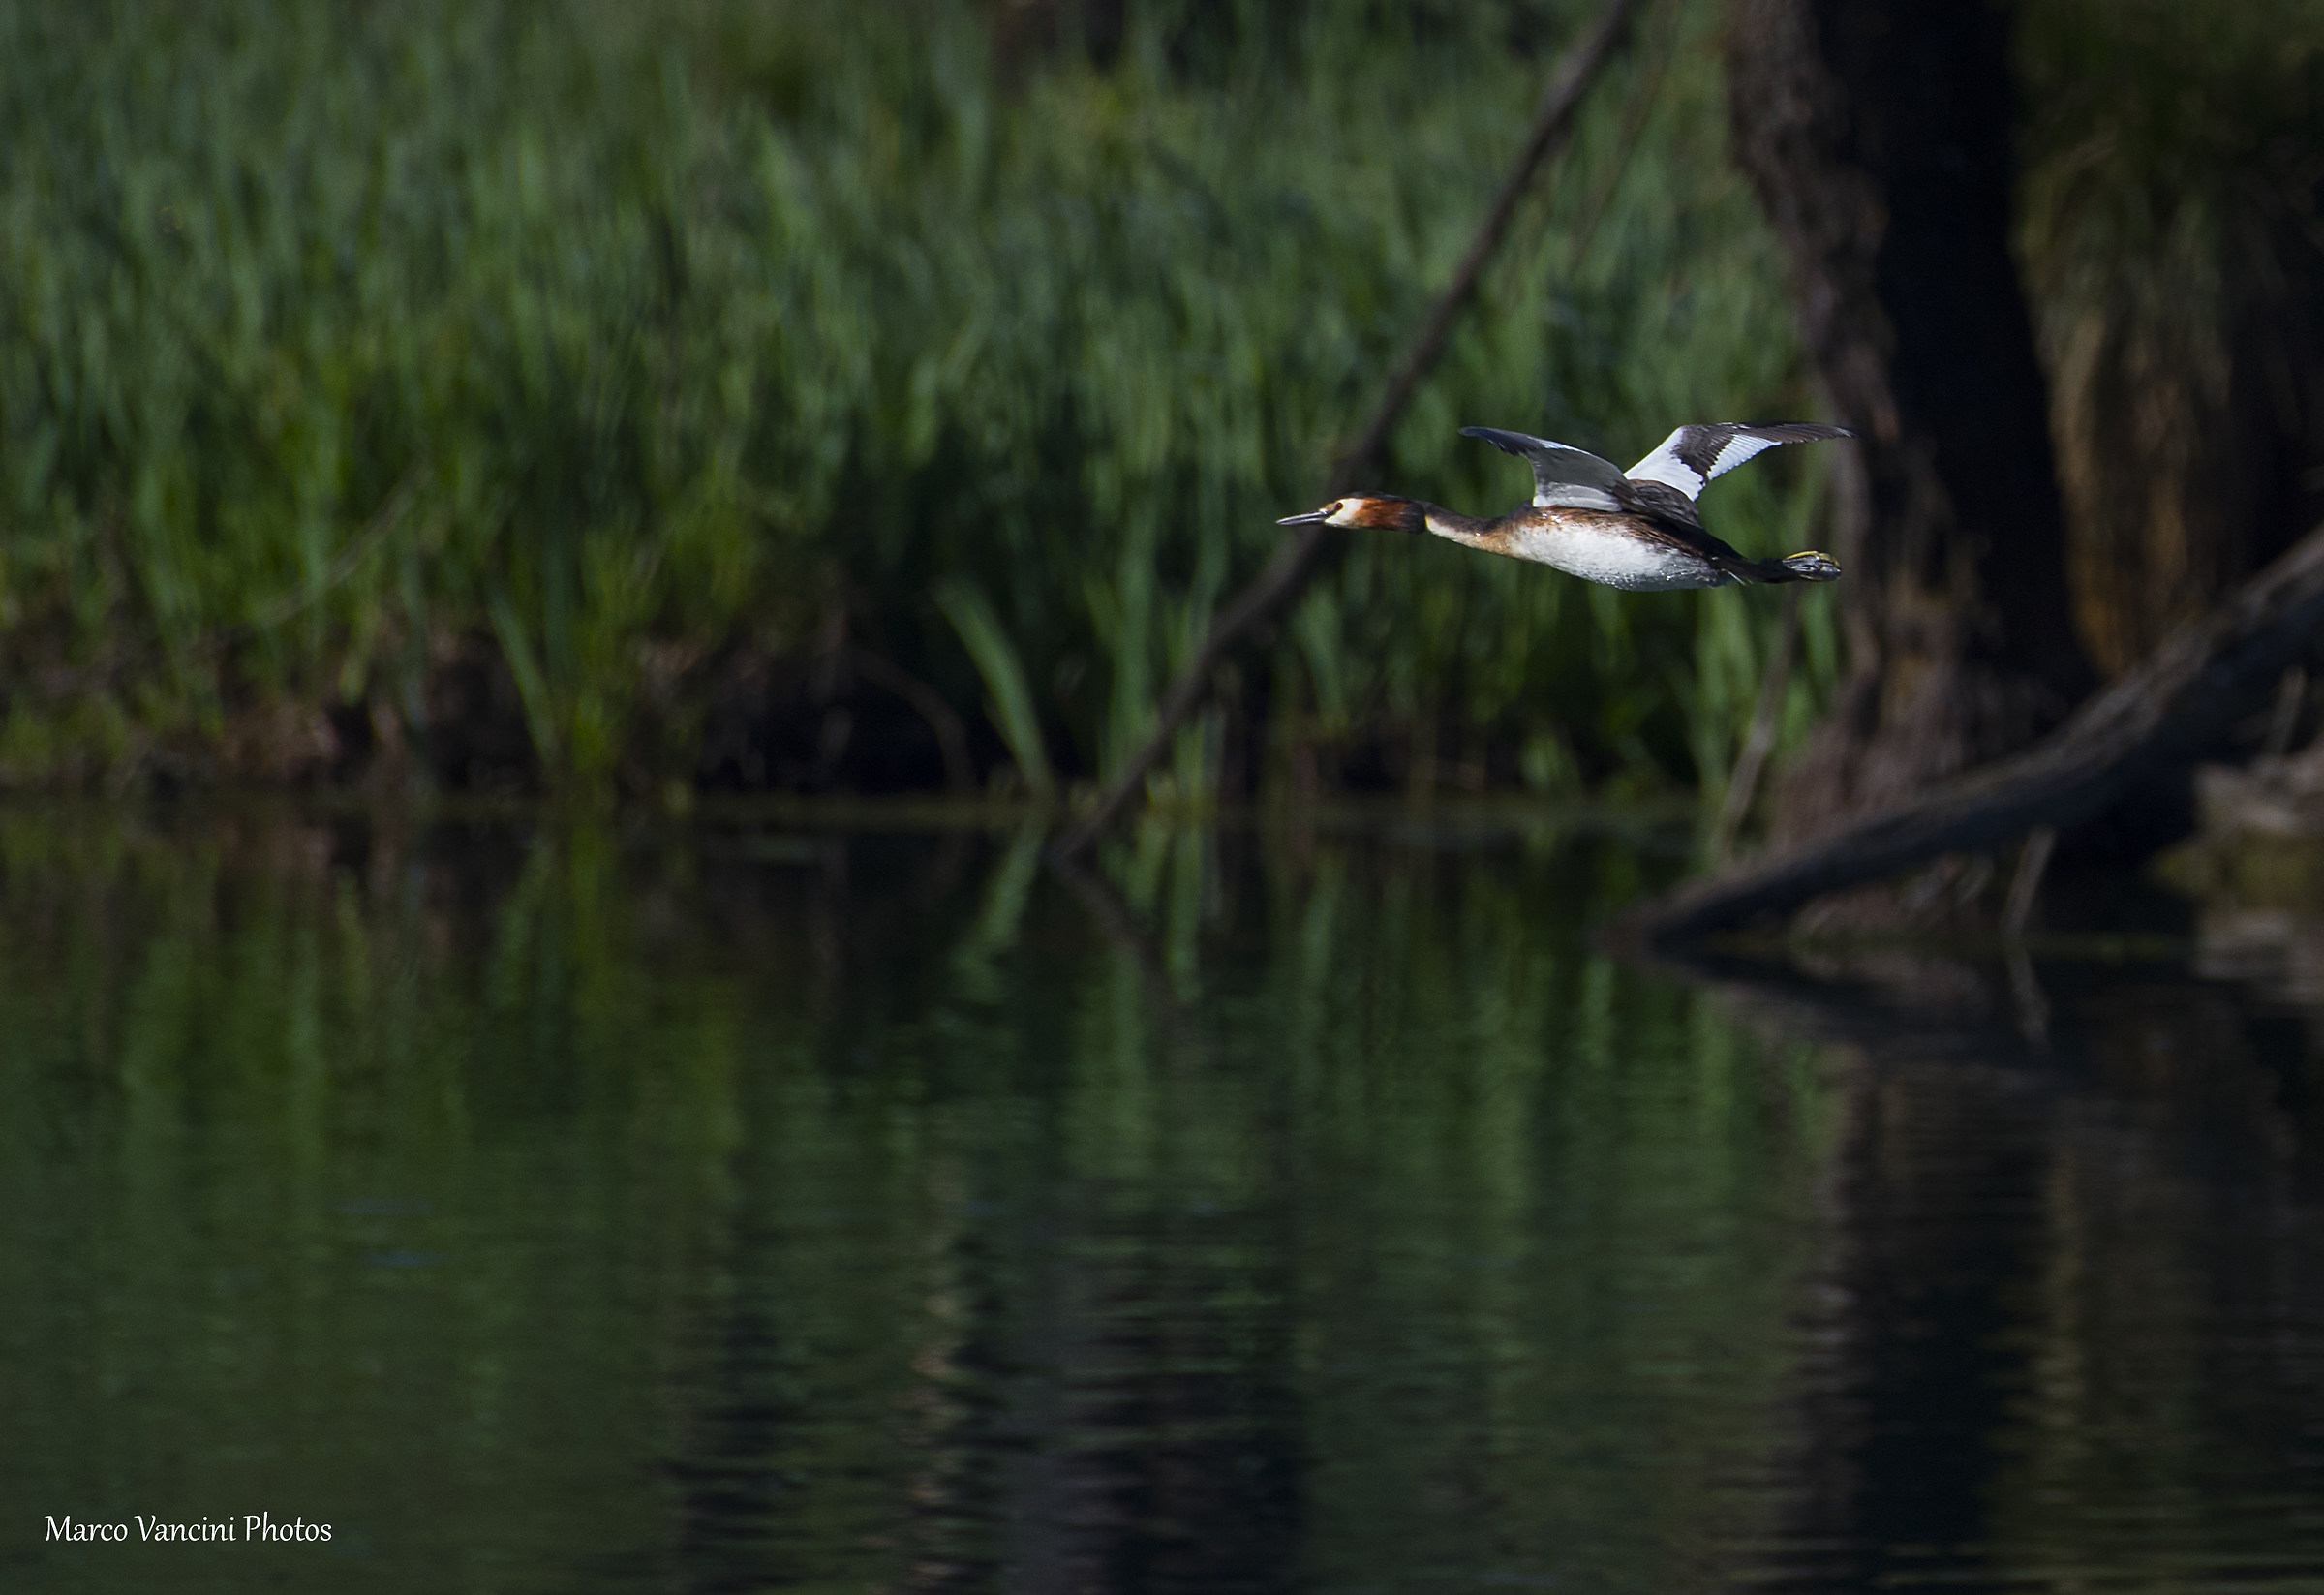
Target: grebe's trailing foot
(1636, 530)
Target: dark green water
(722, 1209)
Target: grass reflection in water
(580, 1209)
(583, 1207)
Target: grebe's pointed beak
(1313, 517)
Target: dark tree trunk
(2168, 236)
(2188, 426)
(1878, 134)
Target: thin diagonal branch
(1287, 574)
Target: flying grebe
(1637, 530)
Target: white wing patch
(1693, 457)
(1574, 496)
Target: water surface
(731, 1208)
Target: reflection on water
(581, 1209)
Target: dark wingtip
(1508, 442)
(1795, 431)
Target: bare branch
(2168, 711)
(1287, 574)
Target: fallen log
(1287, 574)
(2181, 703)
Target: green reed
(335, 338)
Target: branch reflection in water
(2064, 1325)
(613, 1208)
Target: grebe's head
(1383, 511)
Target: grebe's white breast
(1607, 549)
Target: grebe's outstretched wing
(1561, 475)
(1692, 456)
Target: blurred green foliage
(336, 338)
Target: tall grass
(340, 342)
